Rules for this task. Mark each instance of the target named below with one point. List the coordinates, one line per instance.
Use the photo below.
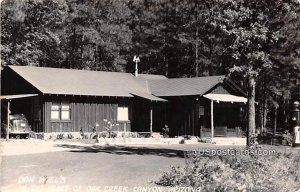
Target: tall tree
(29, 31)
(96, 35)
(204, 37)
(155, 25)
(251, 34)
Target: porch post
(8, 112)
(212, 118)
(151, 118)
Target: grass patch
(279, 172)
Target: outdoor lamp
(296, 129)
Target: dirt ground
(36, 165)
(74, 166)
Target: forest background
(255, 42)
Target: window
(201, 110)
(65, 112)
(123, 114)
(60, 111)
(55, 112)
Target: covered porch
(225, 116)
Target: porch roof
(8, 97)
(148, 96)
(226, 98)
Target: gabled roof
(184, 86)
(82, 82)
(100, 83)
(75, 82)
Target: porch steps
(229, 141)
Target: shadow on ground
(124, 150)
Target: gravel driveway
(36, 165)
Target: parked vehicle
(18, 127)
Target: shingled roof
(84, 82)
(100, 83)
(184, 86)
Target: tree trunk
(72, 61)
(81, 49)
(262, 112)
(165, 47)
(197, 44)
(196, 54)
(265, 113)
(275, 120)
(251, 109)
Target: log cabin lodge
(69, 100)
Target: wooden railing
(226, 132)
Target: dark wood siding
(87, 113)
(141, 115)
(219, 90)
(224, 88)
(183, 113)
(183, 116)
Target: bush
(182, 141)
(113, 135)
(287, 138)
(39, 135)
(94, 135)
(106, 135)
(70, 136)
(165, 131)
(60, 136)
(280, 172)
(103, 135)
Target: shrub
(165, 131)
(107, 135)
(94, 136)
(60, 136)
(280, 172)
(70, 136)
(141, 135)
(39, 135)
(187, 137)
(113, 135)
(103, 135)
(288, 138)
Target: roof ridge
(67, 69)
(184, 78)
